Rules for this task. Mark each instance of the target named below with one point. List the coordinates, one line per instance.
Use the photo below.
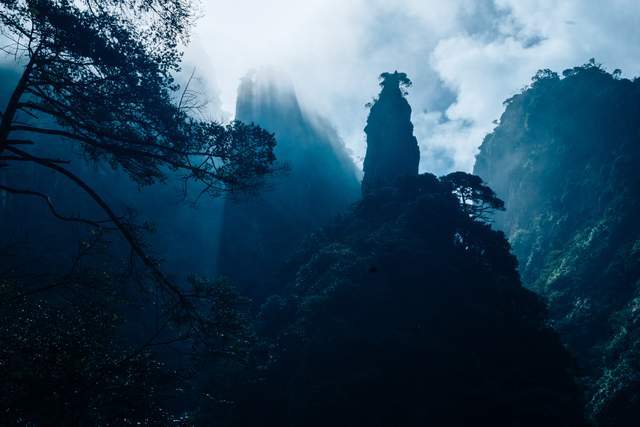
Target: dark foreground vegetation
(409, 312)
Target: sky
(465, 57)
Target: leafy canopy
(476, 198)
(103, 71)
(100, 74)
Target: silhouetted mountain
(260, 232)
(564, 158)
(392, 150)
(407, 312)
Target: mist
(464, 58)
(279, 213)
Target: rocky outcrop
(392, 150)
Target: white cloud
(534, 34)
(476, 53)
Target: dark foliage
(61, 362)
(564, 159)
(99, 74)
(96, 79)
(107, 81)
(477, 200)
(95, 346)
(394, 318)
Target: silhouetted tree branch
(124, 229)
(52, 209)
(477, 199)
(100, 74)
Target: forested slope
(408, 312)
(564, 157)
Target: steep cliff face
(408, 312)
(564, 158)
(258, 233)
(392, 150)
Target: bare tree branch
(52, 208)
(22, 159)
(122, 227)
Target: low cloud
(465, 57)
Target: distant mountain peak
(264, 92)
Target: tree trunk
(12, 107)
